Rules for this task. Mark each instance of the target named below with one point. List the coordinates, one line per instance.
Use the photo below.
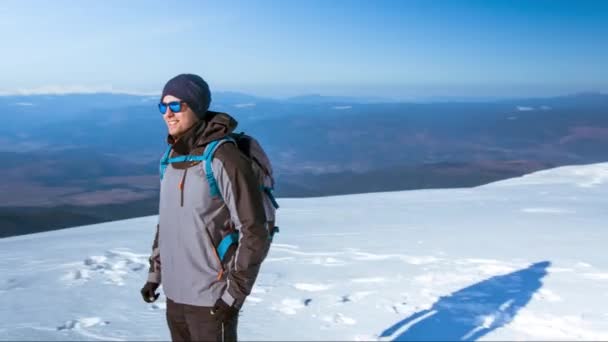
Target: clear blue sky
(395, 48)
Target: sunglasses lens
(162, 108)
(175, 106)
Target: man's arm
(240, 191)
(154, 270)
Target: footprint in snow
(86, 322)
(13, 284)
(355, 296)
(114, 266)
(291, 306)
(398, 307)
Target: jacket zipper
(217, 257)
(181, 187)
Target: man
(204, 294)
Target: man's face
(179, 122)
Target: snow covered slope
(518, 259)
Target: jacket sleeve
(154, 270)
(240, 191)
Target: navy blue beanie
(192, 89)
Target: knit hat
(192, 89)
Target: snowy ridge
(505, 261)
(580, 175)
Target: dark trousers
(195, 323)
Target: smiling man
(205, 284)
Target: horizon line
(80, 90)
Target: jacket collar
(216, 126)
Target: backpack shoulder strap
(208, 158)
(164, 162)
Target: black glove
(149, 292)
(223, 312)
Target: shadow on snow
(470, 313)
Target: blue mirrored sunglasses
(175, 106)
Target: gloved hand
(222, 311)
(148, 292)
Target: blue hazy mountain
(94, 157)
(374, 133)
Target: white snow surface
(520, 259)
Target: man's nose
(169, 113)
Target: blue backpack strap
(226, 242)
(164, 161)
(268, 192)
(208, 158)
(273, 231)
(188, 158)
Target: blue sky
(400, 49)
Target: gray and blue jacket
(192, 223)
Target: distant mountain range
(86, 157)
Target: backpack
(262, 169)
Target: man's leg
(230, 328)
(176, 319)
(201, 324)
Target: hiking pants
(195, 323)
